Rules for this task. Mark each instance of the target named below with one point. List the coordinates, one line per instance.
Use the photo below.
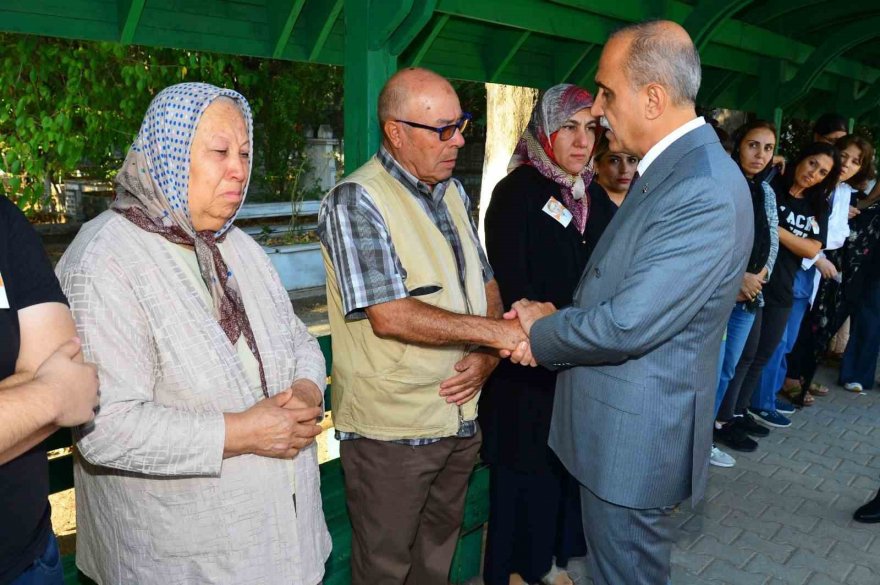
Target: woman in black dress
(539, 235)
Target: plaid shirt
(368, 269)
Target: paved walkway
(783, 514)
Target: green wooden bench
(465, 564)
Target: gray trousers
(627, 546)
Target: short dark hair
(868, 171)
(830, 122)
(818, 194)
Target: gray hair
(658, 55)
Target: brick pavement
(783, 514)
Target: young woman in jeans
(802, 213)
(753, 146)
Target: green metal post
(365, 72)
(777, 121)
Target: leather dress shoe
(870, 512)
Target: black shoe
(750, 426)
(870, 512)
(730, 435)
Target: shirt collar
(667, 140)
(409, 180)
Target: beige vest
(385, 389)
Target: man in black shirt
(43, 385)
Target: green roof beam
(555, 21)
(826, 19)
(769, 80)
(502, 51)
(708, 16)
(592, 22)
(631, 10)
(774, 9)
(572, 70)
(835, 44)
(129, 15)
(275, 8)
(413, 23)
(387, 16)
(869, 101)
(319, 18)
(709, 95)
(416, 53)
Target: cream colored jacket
(156, 501)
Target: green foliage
(289, 96)
(75, 106)
(472, 96)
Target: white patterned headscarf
(152, 192)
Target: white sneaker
(853, 387)
(719, 458)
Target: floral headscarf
(152, 192)
(535, 146)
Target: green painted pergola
(767, 56)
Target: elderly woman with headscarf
(539, 235)
(200, 466)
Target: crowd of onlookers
(811, 274)
(621, 247)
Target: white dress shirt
(667, 140)
(838, 230)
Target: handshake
(515, 329)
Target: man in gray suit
(638, 348)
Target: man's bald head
(405, 89)
(662, 52)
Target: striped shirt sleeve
(368, 269)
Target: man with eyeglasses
(415, 319)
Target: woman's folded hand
(272, 428)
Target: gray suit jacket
(632, 418)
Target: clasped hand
(525, 313)
(279, 426)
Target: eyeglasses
(444, 132)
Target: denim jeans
(738, 327)
(860, 358)
(46, 569)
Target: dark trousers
(406, 505)
(860, 358)
(532, 518)
(801, 360)
(627, 546)
(763, 339)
